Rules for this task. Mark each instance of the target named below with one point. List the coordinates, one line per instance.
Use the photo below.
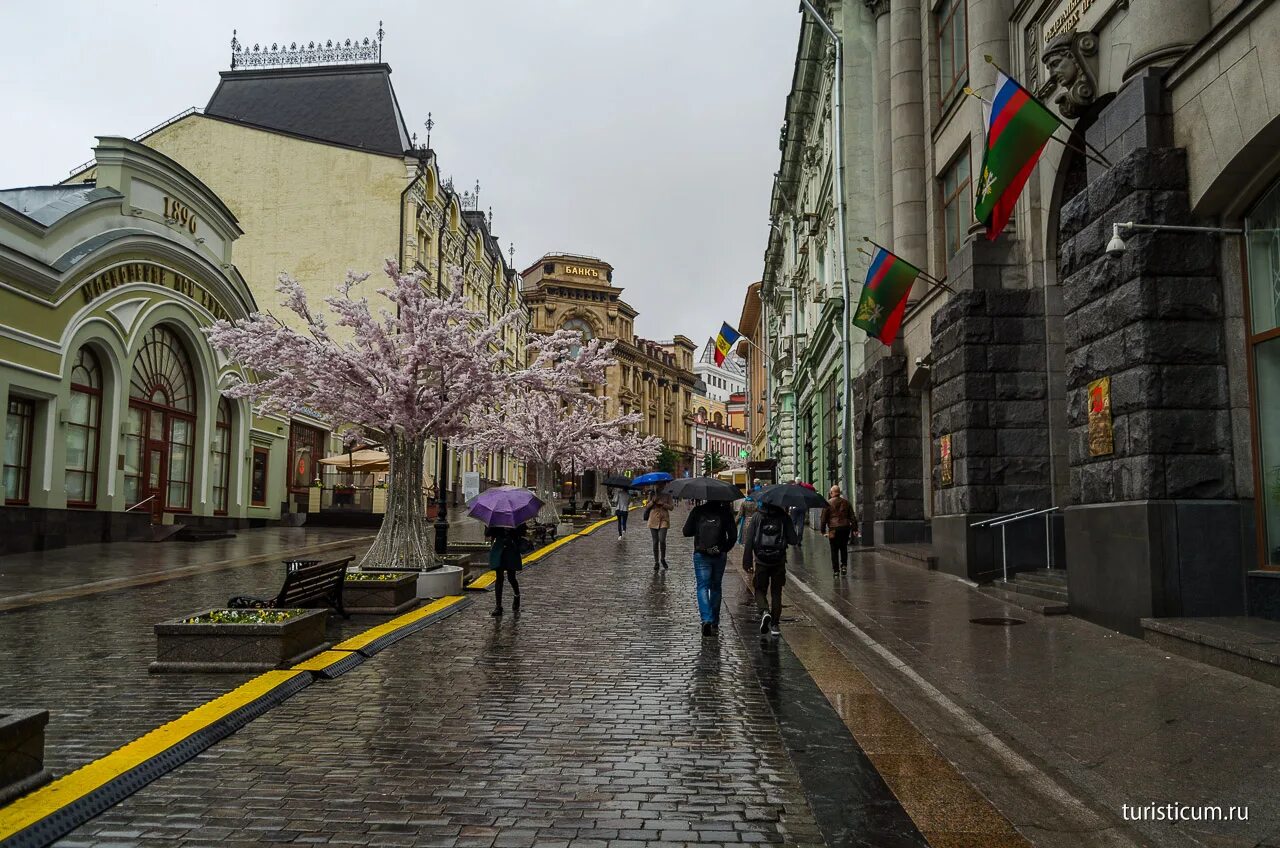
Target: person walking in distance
(657, 515)
(798, 515)
(505, 560)
(714, 534)
(764, 552)
(838, 521)
(621, 505)
(746, 509)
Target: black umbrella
(703, 489)
(787, 495)
(617, 481)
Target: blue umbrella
(651, 478)
(505, 506)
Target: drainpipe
(837, 122)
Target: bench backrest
(313, 583)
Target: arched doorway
(160, 427)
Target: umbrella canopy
(617, 481)
(366, 459)
(505, 506)
(703, 489)
(787, 495)
(651, 478)
(809, 486)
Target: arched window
(583, 329)
(221, 456)
(84, 422)
(160, 431)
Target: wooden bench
(542, 533)
(311, 585)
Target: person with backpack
(838, 522)
(714, 532)
(505, 559)
(764, 551)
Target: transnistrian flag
(724, 342)
(1018, 127)
(884, 295)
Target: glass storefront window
(133, 454)
(82, 427)
(17, 450)
(1262, 233)
(180, 457)
(1267, 374)
(220, 455)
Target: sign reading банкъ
(158, 275)
(582, 271)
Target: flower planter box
(438, 582)
(22, 752)
(195, 643)
(380, 593)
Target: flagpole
(992, 62)
(929, 278)
(1065, 143)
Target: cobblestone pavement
(596, 717)
(85, 659)
(1111, 718)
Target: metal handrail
(1012, 518)
(986, 521)
(140, 503)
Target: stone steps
(1029, 602)
(1052, 577)
(920, 556)
(1245, 646)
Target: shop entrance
(160, 428)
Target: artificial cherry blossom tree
(412, 370)
(550, 419)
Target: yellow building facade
(654, 379)
(319, 168)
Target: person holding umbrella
(621, 506)
(657, 514)
(714, 532)
(504, 512)
(764, 551)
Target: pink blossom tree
(412, 370)
(551, 418)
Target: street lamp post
(442, 513)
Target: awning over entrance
(366, 459)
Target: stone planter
(201, 646)
(380, 597)
(22, 752)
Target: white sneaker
(765, 621)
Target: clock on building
(581, 327)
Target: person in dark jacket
(505, 560)
(765, 554)
(838, 522)
(714, 533)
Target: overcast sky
(644, 132)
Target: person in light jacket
(621, 505)
(658, 517)
(838, 522)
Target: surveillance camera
(1116, 247)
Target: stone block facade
(891, 492)
(988, 379)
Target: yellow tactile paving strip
(47, 800)
(363, 640)
(484, 581)
(60, 794)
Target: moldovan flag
(884, 295)
(1018, 127)
(724, 342)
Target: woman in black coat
(505, 560)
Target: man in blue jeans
(714, 533)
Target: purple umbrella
(505, 506)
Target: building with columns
(654, 379)
(721, 380)
(1122, 377)
(801, 289)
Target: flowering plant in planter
(249, 616)
(361, 576)
(344, 488)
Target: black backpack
(708, 535)
(771, 540)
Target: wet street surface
(598, 716)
